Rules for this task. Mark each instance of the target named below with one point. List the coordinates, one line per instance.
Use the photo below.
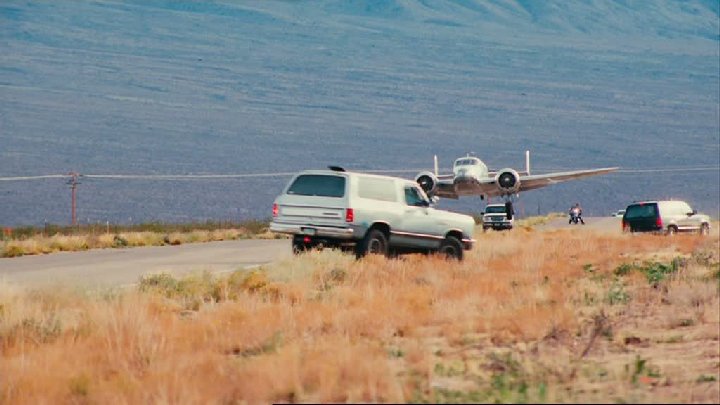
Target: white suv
(371, 213)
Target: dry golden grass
(530, 316)
(39, 244)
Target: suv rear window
(641, 211)
(318, 185)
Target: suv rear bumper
(324, 231)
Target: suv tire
(451, 248)
(672, 230)
(374, 242)
(298, 246)
(705, 229)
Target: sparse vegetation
(538, 220)
(33, 240)
(625, 318)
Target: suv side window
(414, 198)
(377, 189)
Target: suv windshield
(641, 211)
(318, 185)
(500, 209)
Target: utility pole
(73, 183)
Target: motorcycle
(575, 217)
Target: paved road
(608, 224)
(116, 267)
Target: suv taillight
(349, 215)
(276, 211)
(658, 222)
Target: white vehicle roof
(351, 173)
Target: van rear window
(318, 185)
(641, 211)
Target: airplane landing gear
(509, 211)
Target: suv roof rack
(336, 168)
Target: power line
(285, 174)
(21, 178)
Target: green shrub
(617, 294)
(655, 272)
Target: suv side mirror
(692, 213)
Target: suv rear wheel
(451, 248)
(672, 230)
(298, 245)
(374, 242)
(705, 229)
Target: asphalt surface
(605, 224)
(120, 267)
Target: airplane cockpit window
(466, 162)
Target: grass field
(50, 239)
(568, 315)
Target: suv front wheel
(451, 248)
(374, 242)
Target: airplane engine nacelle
(508, 181)
(428, 182)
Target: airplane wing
(446, 188)
(494, 183)
(535, 181)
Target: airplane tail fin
(527, 162)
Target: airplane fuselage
(467, 172)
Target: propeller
(506, 180)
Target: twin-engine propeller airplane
(471, 177)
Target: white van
(664, 216)
(371, 213)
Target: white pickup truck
(495, 217)
(370, 213)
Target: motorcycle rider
(576, 211)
